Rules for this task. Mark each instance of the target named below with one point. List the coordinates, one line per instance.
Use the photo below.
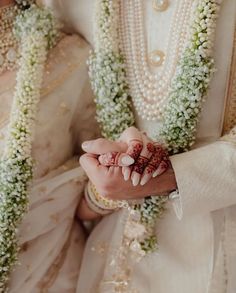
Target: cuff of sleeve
(179, 166)
(205, 178)
(176, 201)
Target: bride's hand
(141, 166)
(151, 159)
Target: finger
(164, 165)
(92, 167)
(135, 147)
(151, 167)
(139, 166)
(129, 134)
(158, 164)
(101, 145)
(133, 138)
(115, 159)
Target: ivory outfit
(51, 239)
(197, 252)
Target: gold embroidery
(65, 168)
(55, 218)
(54, 84)
(122, 261)
(50, 88)
(101, 248)
(57, 56)
(52, 273)
(230, 109)
(63, 109)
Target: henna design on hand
(140, 164)
(135, 148)
(109, 159)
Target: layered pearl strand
(150, 90)
(8, 44)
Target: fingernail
(156, 173)
(144, 179)
(123, 171)
(126, 174)
(85, 145)
(135, 179)
(127, 160)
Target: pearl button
(160, 5)
(156, 58)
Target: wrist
(166, 183)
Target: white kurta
(196, 254)
(51, 240)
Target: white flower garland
(192, 79)
(187, 93)
(37, 31)
(107, 72)
(25, 3)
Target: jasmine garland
(192, 79)
(107, 72)
(37, 31)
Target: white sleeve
(206, 177)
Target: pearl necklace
(9, 44)
(149, 90)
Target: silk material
(51, 240)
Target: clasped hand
(130, 168)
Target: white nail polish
(135, 179)
(144, 180)
(155, 174)
(126, 174)
(127, 160)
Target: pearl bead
(146, 86)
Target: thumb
(101, 146)
(115, 159)
(92, 167)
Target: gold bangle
(104, 202)
(93, 205)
